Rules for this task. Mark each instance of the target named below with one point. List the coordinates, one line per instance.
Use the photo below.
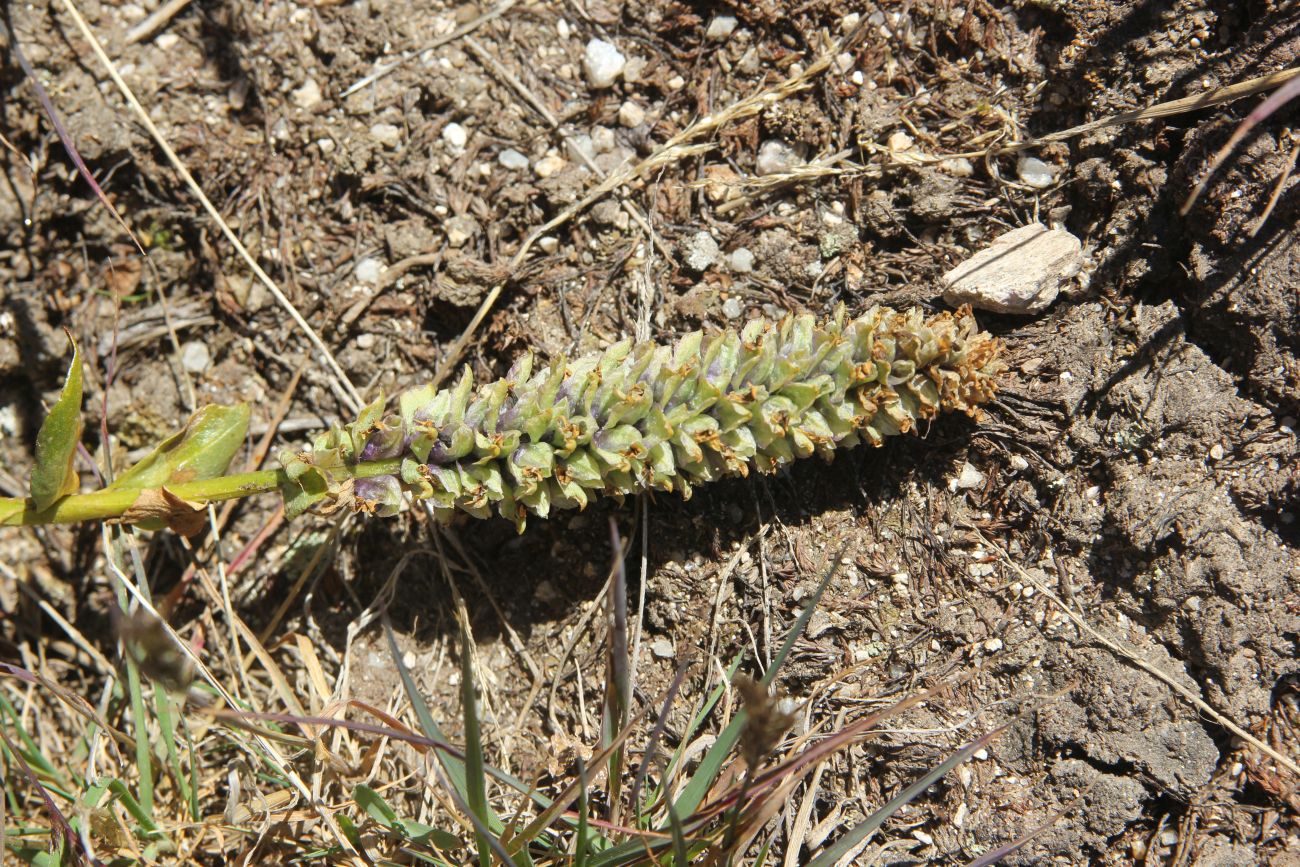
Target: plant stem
(113, 503)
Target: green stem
(113, 503)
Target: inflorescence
(646, 417)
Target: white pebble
(548, 244)
(512, 159)
(603, 63)
(844, 62)
(775, 157)
(742, 260)
(602, 139)
(662, 648)
(562, 28)
(368, 270)
(1018, 463)
(968, 479)
(460, 230)
(848, 22)
(456, 136)
(720, 28)
(701, 251)
(958, 167)
(733, 308)
(195, 357)
(307, 96)
(548, 166)
(1035, 173)
(631, 115)
(993, 645)
(386, 134)
(900, 141)
(1022, 271)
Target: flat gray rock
(1021, 272)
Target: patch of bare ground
(1141, 461)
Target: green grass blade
(145, 820)
(680, 856)
(454, 767)
(168, 724)
(580, 843)
(713, 760)
(475, 780)
(841, 847)
(799, 625)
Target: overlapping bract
(641, 417)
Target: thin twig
(155, 21)
(470, 27)
(350, 394)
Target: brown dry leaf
(162, 506)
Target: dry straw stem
(349, 394)
(1119, 650)
(1211, 98)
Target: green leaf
(203, 449)
(375, 806)
(56, 444)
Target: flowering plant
(633, 418)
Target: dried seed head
(641, 417)
(767, 720)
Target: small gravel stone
(720, 28)
(968, 479)
(742, 260)
(549, 166)
(959, 167)
(195, 357)
(548, 244)
(386, 134)
(460, 230)
(602, 139)
(456, 136)
(701, 251)
(512, 159)
(368, 270)
(1020, 272)
(580, 146)
(603, 63)
(663, 648)
(733, 308)
(844, 62)
(775, 157)
(308, 96)
(1036, 173)
(993, 645)
(631, 115)
(900, 141)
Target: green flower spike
(644, 417)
